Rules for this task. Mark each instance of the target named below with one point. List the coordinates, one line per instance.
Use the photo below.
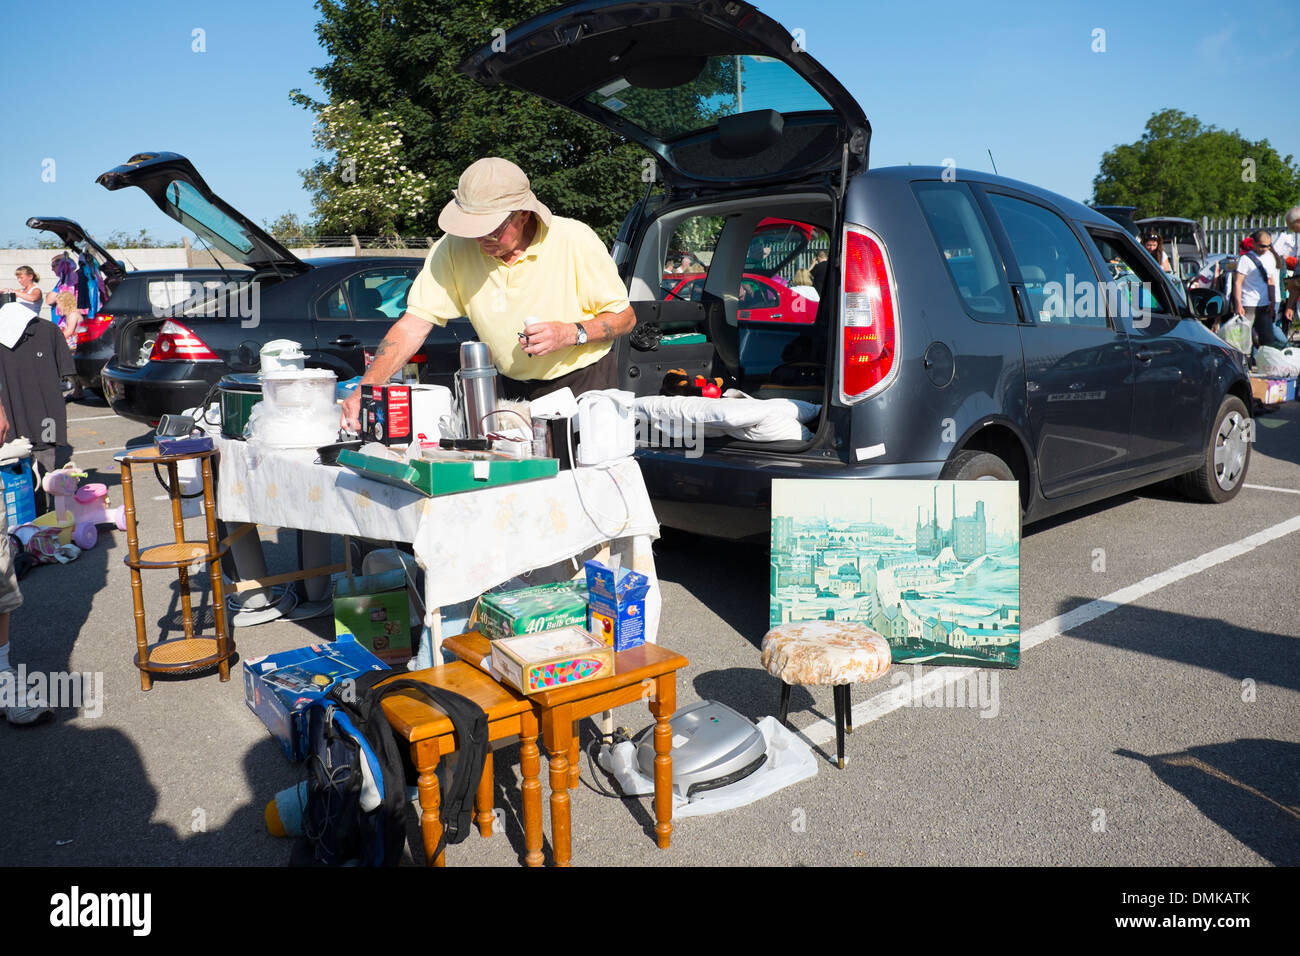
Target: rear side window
(967, 248)
(378, 295)
(165, 293)
(1057, 272)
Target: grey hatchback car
(965, 325)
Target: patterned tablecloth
(467, 543)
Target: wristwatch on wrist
(582, 335)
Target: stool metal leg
(839, 722)
(848, 708)
(785, 703)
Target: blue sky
(938, 80)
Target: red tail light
(869, 315)
(92, 328)
(176, 343)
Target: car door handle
(1144, 355)
(346, 341)
(774, 316)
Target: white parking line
(1289, 491)
(823, 731)
(92, 418)
(91, 451)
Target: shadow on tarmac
(1242, 786)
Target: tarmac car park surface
(1163, 728)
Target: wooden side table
(193, 652)
(649, 673)
(431, 735)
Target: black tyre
(1227, 456)
(977, 465)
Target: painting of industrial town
(933, 566)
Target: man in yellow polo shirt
(540, 290)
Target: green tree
(121, 239)
(368, 188)
(1180, 167)
(394, 61)
(288, 228)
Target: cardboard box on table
(551, 659)
(530, 610)
(617, 605)
(375, 610)
(279, 687)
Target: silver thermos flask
(479, 387)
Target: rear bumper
(155, 389)
(730, 495)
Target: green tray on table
(448, 477)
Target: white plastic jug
(606, 426)
(429, 404)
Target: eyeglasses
(495, 236)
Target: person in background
(1254, 293)
(1287, 247)
(28, 292)
(15, 704)
(818, 271)
(65, 272)
(66, 303)
(1156, 246)
(804, 285)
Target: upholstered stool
(839, 653)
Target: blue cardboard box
(278, 687)
(616, 605)
(20, 492)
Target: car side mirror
(1207, 303)
(248, 355)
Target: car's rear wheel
(1227, 456)
(977, 466)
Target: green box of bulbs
(530, 610)
(449, 477)
(374, 609)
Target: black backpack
(355, 812)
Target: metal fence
(806, 257)
(1224, 234)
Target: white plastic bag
(1236, 332)
(1271, 361)
(1292, 357)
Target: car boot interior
(713, 290)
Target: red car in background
(762, 298)
(768, 308)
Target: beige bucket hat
(489, 190)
